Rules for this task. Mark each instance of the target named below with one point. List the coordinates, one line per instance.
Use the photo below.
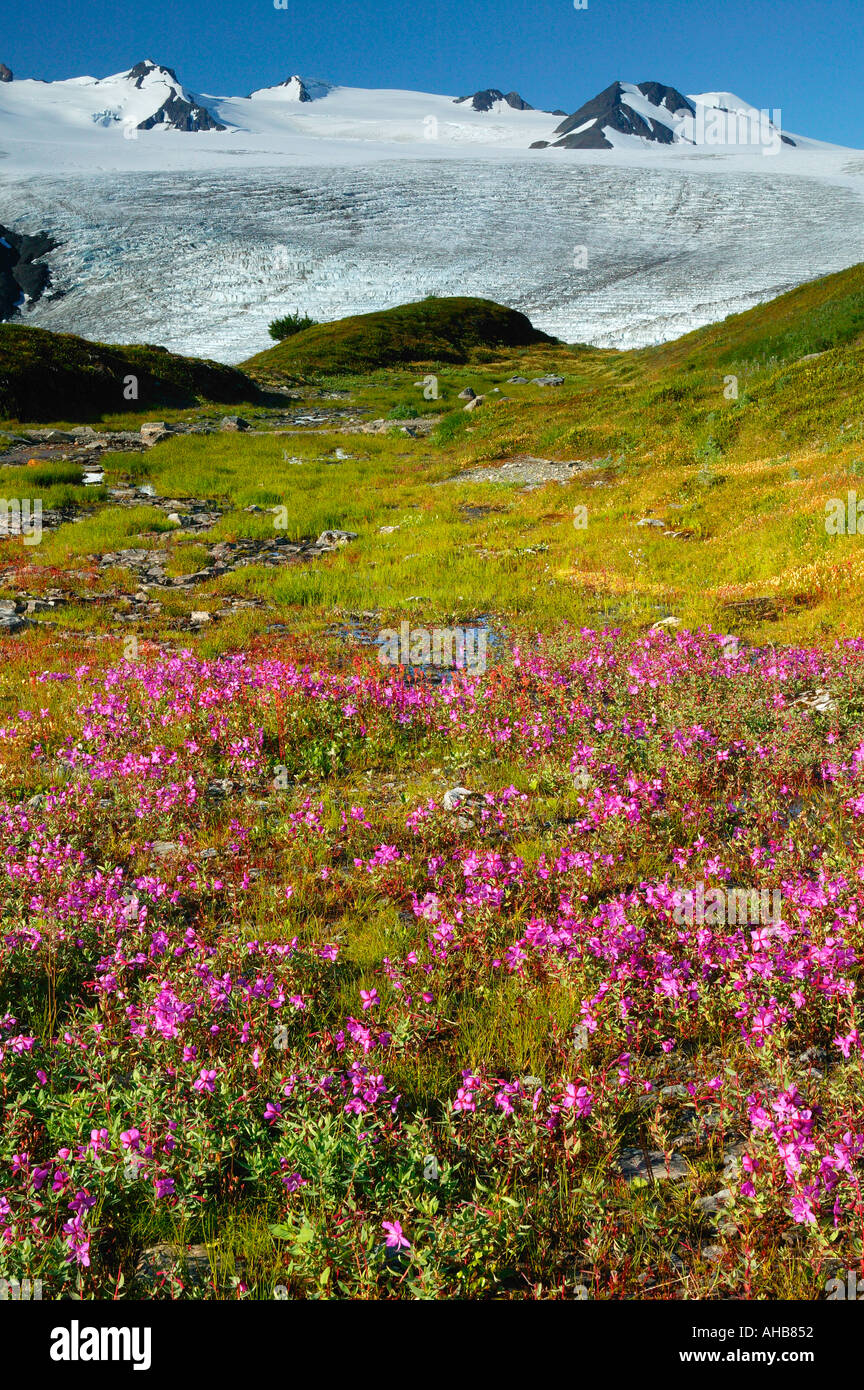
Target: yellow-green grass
(711, 435)
(758, 530)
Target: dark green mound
(431, 330)
(57, 376)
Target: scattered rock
(464, 804)
(422, 425)
(56, 437)
(474, 403)
(652, 521)
(524, 469)
(164, 849)
(200, 616)
(456, 796)
(712, 1206)
(219, 788)
(732, 1162)
(153, 430)
(820, 701)
(469, 394)
(329, 540)
(13, 622)
(652, 1164)
(234, 422)
(547, 381)
(517, 381)
(666, 622)
(191, 1266)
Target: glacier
(356, 201)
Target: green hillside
(431, 330)
(814, 317)
(51, 376)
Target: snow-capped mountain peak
(46, 122)
(149, 72)
(294, 88)
(645, 111)
(627, 115)
(490, 99)
(146, 97)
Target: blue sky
(803, 56)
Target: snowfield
(357, 201)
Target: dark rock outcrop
(178, 111)
(5, 73)
(22, 272)
(179, 114)
(485, 100)
(142, 70)
(609, 110)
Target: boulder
(154, 430)
(234, 422)
(651, 1164)
(13, 622)
(547, 381)
(52, 437)
(712, 1206)
(467, 395)
(473, 404)
(329, 539)
(454, 798)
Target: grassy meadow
(322, 979)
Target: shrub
(289, 325)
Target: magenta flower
(395, 1237)
(293, 1181)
